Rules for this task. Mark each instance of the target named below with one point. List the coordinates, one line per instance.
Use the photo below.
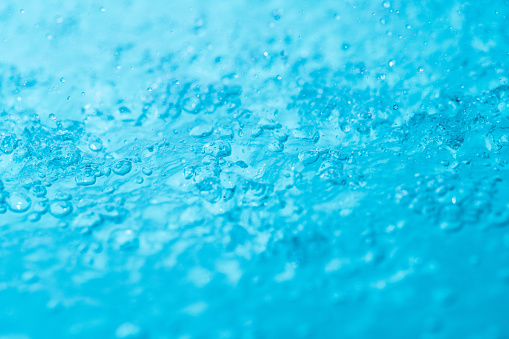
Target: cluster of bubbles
(282, 183)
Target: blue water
(254, 169)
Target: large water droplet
(18, 202)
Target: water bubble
(139, 180)
(201, 131)
(269, 124)
(219, 149)
(39, 191)
(63, 196)
(109, 190)
(276, 146)
(256, 131)
(95, 146)
(122, 167)
(395, 107)
(85, 179)
(280, 135)
(277, 14)
(346, 128)
(308, 157)
(33, 217)
(188, 172)
(307, 133)
(86, 221)
(106, 171)
(128, 331)
(241, 164)
(52, 116)
(147, 171)
(41, 207)
(392, 63)
(18, 202)
(60, 209)
(8, 143)
(62, 80)
(124, 240)
(387, 4)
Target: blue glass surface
(254, 169)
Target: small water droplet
(95, 146)
(85, 179)
(122, 167)
(346, 128)
(60, 209)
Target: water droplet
(392, 63)
(201, 131)
(18, 202)
(109, 190)
(147, 171)
(86, 221)
(8, 143)
(60, 209)
(395, 107)
(124, 240)
(63, 196)
(346, 128)
(39, 191)
(62, 80)
(85, 179)
(276, 146)
(139, 180)
(96, 146)
(308, 157)
(41, 207)
(122, 167)
(34, 217)
(52, 116)
(256, 131)
(128, 331)
(219, 149)
(387, 4)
